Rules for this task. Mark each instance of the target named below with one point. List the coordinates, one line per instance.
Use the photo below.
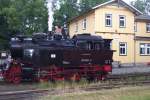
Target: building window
(145, 49)
(123, 48)
(76, 27)
(84, 24)
(135, 27)
(108, 20)
(122, 21)
(148, 49)
(148, 27)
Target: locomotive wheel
(45, 79)
(43, 76)
(90, 78)
(17, 80)
(13, 74)
(58, 78)
(75, 77)
(100, 78)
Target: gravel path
(4, 87)
(130, 70)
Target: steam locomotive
(51, 58)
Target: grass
(127, 93)
(63, 84)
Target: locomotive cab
(88, 42)
(92, 50)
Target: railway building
(128, 28)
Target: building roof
(82, 14)
(142, 18)
(121, 2)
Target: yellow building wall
(141, 29)
(96, 26)
(117, 38)
(89, 25)
(115, 32)
(115, 11)
(140, 58)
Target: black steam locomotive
(43, 57)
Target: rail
(114, 81)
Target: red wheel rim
(75, 77)
(16, 80)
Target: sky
(51, 13)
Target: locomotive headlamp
(14, 39)
(3, 54)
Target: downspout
(135, 44)
(134, 50)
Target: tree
(68, 9)
(22, 16)
(25, 16)
(147, 7)
(139, 4)
(71, 8)
(4, 4)
(88, 4)
(33, 15)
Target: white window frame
(135, 26)
(123, 47)
(76, 27)
(108, 19)
(124, 20)
(84, 24)
(145, 47)
(148, 48)
(148, 27)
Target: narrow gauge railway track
(122, 80)
(113, 81)
(22, 95)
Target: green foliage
(71, 8)
(67, 10)
(88, 4)
(139, 4)
(147, 7)
(22, 16)
(32, 16)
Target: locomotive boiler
(51, 58)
